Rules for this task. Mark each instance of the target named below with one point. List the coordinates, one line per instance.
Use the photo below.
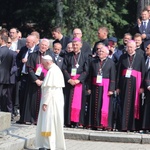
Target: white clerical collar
(132, 54)
(103, 59)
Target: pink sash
(106, 99)
(43, 69)
(76, 101)
(137, 75)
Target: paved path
(21, 137)
(93, 145)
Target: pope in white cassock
(49, 134)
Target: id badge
(38, 71)
(73, 71)
(99, 79)
(128, 73)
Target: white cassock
(50, 123)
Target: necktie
(56, 57)
(147, 63)
(29, 51)
(144, 26)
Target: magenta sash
(43, 69)
(76, 101)
(137, 75)
(106, 99)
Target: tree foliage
(118, 15)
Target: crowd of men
(106, 87)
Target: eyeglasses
(98, 48)
(76, 33)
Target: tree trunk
(59, 8)
(141, 5)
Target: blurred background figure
(114, 52)
(69, 47)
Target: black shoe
(43, 149)
(20, 122)
(94, 128)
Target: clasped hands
(73, 82)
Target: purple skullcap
(76, 40)
(131, 41)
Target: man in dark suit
(59, 37)
(57, 59)
(114, 52)
(16, 45)
(126, 38)
(86, 48)
(103, 37)
(6, 62)
(22, 58)
(144, 28)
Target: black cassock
(129, 89)
(101, 104)
(33, 91)
(70, 62)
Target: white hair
(47, 58)
(46, 40)
(105, 48)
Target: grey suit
(143, 30)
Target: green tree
(89, 15)
(118, 15)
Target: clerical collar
(131, 54)
(43, 53)
(77, 53)
(103, 59)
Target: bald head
(30, 41)
(77, 33)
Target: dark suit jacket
(20, 56)
(59, 62)
(21, 43)
(6, 60)
(14, 69)
(116, 55)
(147, 32)
(105, 42)
(86, 48)
(64, 41)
